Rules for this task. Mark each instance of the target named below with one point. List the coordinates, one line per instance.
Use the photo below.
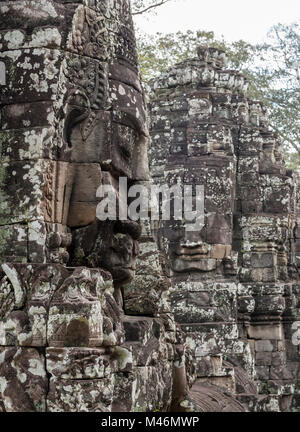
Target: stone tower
(235, 281)
(73, 119)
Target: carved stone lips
(194, 251)
(194, 257)
(133, 268)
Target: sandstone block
(265, 332)
(78, 363)
(24, 378)
(67, 395)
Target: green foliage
(292, 160)
(275, 79)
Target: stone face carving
(78, 332)
(235, 280)
(72, 119)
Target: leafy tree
(277, 81)
(292, 160)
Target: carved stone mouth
(192, 251)
(191, 257)
(124, 267)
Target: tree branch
(288, 140)
(140, 12)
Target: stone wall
(73, 118)
(235, 281)
(115, 315)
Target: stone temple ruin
(73, 118)
(235, 283)
(124, 316)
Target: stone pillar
(73, 118)
(193, 142)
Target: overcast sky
(235, 19)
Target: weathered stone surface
(78, 363)
(73, 119)
(27, 292)
(266, 332)
(37, 67)
(80, 395)
(23, 379)
(206, 131)
(77, 309)
(210, 398)
(148, 293)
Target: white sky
(235, 19)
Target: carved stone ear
(75, 116)
(78, 109)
